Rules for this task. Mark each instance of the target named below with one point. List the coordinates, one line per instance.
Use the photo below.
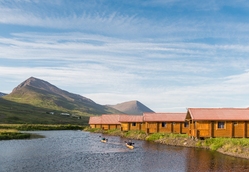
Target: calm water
(73, 151)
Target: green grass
(32, 127)
(158, 136)
(94, 130)
(12, 134)
(114, 132)
(216, 143)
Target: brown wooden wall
(126, 126)
(185, 130)
(247, 129)
(239, 129)
(210, 129)
(170, 127)
(136, 127)
(105, 126)
(110, 126)
(177, 127)
(151, 127)
(167, 129)
(95, 126)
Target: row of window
(221, 125)
(164, 124)
(186, 124)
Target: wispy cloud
(166, 54)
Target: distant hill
(2, 94)
(131, 107)
(40, 93)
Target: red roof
(157, 117)
(131, 118)
(110, 119)
(95, 120)
(223, 114)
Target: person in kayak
(129, 143)
(103, 138)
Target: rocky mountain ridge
(132, 107)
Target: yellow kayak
(103, 141)
(129, 146)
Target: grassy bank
(32, 127)
(238, 147)
(12, 131)
(8, 134)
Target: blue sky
(168, 54)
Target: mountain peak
(43, 94)
(36, 83)
(132, 107)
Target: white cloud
(168, 63)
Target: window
(186, 124)
(221, 124)
(163, 124)
(133, 124)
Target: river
(77, 151)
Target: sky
(168, 54)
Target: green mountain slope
(19, 113)
(41, 94)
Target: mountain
(40, 93)
(131, 107)
(2, 94)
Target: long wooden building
(131, 122)
(105, 122)
(110, 121)
(218, 122)
(166, 123)
(95, 122)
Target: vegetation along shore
(13, 131)
(238, 147)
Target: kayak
(103, 141)
(129, 146)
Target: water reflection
(82, 151)
(205, 160)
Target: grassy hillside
(44, 99)
(35, 101)
(20, 113)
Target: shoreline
(236, 147)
